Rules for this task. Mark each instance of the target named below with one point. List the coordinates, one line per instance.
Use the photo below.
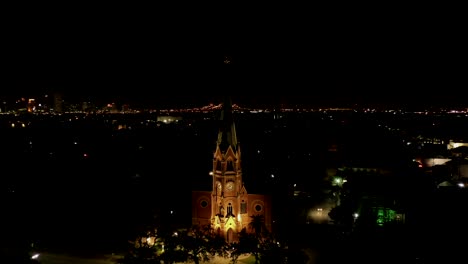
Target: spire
(227, 130)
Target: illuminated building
(115, 108)
(452, 144)
(31, 105)
(58, 103)
(168, 119)
(228, 207)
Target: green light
(380, 217)
(385, 215)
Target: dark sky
(386, 54)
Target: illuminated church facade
(228, 207)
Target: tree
(173, 251)
(257, 224)
(342, 215)
(146, 248)
(266, 249)
(272, 251)
(200, 243)
(248, 243)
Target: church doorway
(230, 235)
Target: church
(228, 207)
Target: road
(51, 258)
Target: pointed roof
(227, 129)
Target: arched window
(221, 210)
(229, 210)
(243, 207)
(230, 166)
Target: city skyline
(146, 98)
(377, 58)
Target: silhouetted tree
(271, 252)
(173, 251)
(197, 244)
(144, 249)
(257, 224)
(342, 215)
(248, 243)
(200, 243)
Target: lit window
(229, 209)
(243, 207)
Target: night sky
(389, 55)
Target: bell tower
(227, 207)
(228, 186)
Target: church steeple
(227, 207)
(228, 188)
(227, 129)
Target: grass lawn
(248, 260)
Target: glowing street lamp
(338, 181)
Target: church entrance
(230, 235)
